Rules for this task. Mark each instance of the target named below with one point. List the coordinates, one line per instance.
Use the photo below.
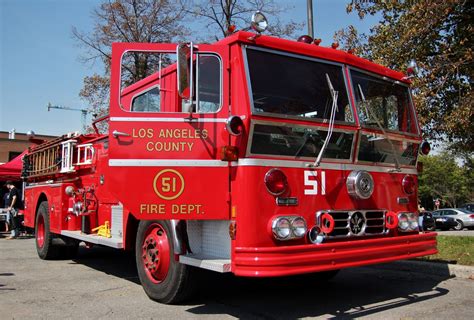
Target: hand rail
(94, 123)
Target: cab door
(165, 161)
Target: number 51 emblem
(312, 184)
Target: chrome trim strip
(146, 119)
(394, 81)
(166, 163)
(50, 183)
(323, 165)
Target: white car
(463, 217)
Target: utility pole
(84, 112)
(310, 18)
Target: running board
(93, 238)
(209, 263)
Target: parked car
(462, 217)
(468, 207)
(427, 222)
(443, 222)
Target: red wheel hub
(40, 232)
(156, 253)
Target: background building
(14, 143)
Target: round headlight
(298, 226)
(413, 225)
(281, 228)
(403, 222)
(259, 22)
(360, 184)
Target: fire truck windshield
(384, 103)
(294, 86)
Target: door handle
(117, 134)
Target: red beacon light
(317, 42)
(425, 148)
(335, 45)
(306, 39)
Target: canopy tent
(12, 170)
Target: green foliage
(443, 178)
(453, 249)
(439, 35)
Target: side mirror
(184, 52)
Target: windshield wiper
(334, 96)
(384, 133)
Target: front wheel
(163, 278)
(459, 225)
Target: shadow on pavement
(110, 261)
(352, 293)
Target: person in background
(13, 206)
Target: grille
(370, 222)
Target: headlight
(298, 226)
(281, 228)
(289, 227)
(407, 222)
(403, 223)
(360, 184)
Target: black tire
(44, 238)
(179, 283)
(459, 225)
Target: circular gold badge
(168, 184)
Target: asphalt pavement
(102, 283)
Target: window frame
(249, 154)
(302, 57)
(384, 78)
(142, 93)
(392, 138)
(179, 99)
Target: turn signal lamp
(229, 153)
(276, 182)
(408, 184)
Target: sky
(39, 59)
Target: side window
(208, 84)
(149, 101)
(451, 212)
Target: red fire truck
(254, 155)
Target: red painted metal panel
(289, 260)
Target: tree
(125, 21)
(438, 34)
(231, 15)
(443, 178)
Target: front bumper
(292, 260)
